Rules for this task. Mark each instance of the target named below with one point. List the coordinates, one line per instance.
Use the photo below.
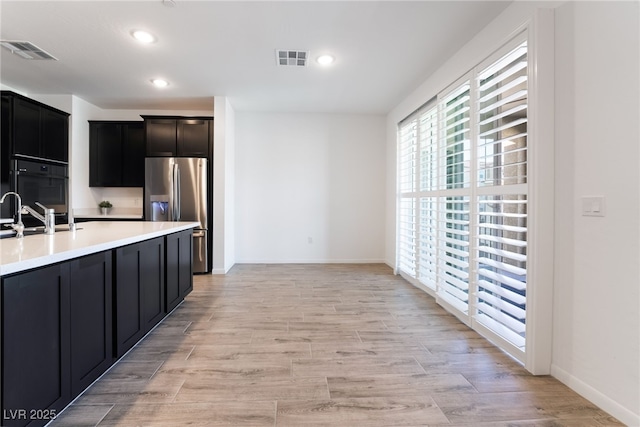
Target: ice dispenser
(160, 208)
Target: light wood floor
(332, 345)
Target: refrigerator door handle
(176, 192)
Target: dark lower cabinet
(179, 270)
(36, 346)
(139, 291)
(60, 323)
(91, 319)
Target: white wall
(223, 187)
(596, 306)
(309, 187)
(597, 275)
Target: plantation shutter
(407, 172)
(454, 210)
(428, 206)
(463, 200)
(502, 201)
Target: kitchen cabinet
(91, 325)
(179, 267)
(62, 325)
(57, 336)
(36, 345)
(116, 154)
(34, 129)
(178, 136)
(139, 296)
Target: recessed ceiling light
(160, 82)
(325, 59)
(143, 36)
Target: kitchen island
(74, 302)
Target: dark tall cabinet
(116, 154)
(29, 130)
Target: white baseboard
(311, 261)
(604, 402)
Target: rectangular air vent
(26, 50)
(295, 58)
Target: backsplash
(119, 197)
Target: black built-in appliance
(39, 181)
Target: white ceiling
(383, 50)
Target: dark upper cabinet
(26, 128)
(55, 135)
(193, 137)
(34, 129)
(178, 136)
(133, 155)
(160, 137)
(116, 154)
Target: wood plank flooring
(320, 345)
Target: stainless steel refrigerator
(175, 189)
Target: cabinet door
(105, 155)
(193, 138)
(128, 311)
(185, 261)
(160, 137)
(26, 128)
(133, 154)
(35, 331)
(55, 135)
(179, 277)
(91, 319)
(152, 282)
(139, 291)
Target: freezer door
(158, 189)
(191, 188)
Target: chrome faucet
(48, 219)
(18, 226)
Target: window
(463, 198)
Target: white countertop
(90, 237)
(114, 213)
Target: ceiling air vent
(27, 50)
(295, 58)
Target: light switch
(593, 206)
